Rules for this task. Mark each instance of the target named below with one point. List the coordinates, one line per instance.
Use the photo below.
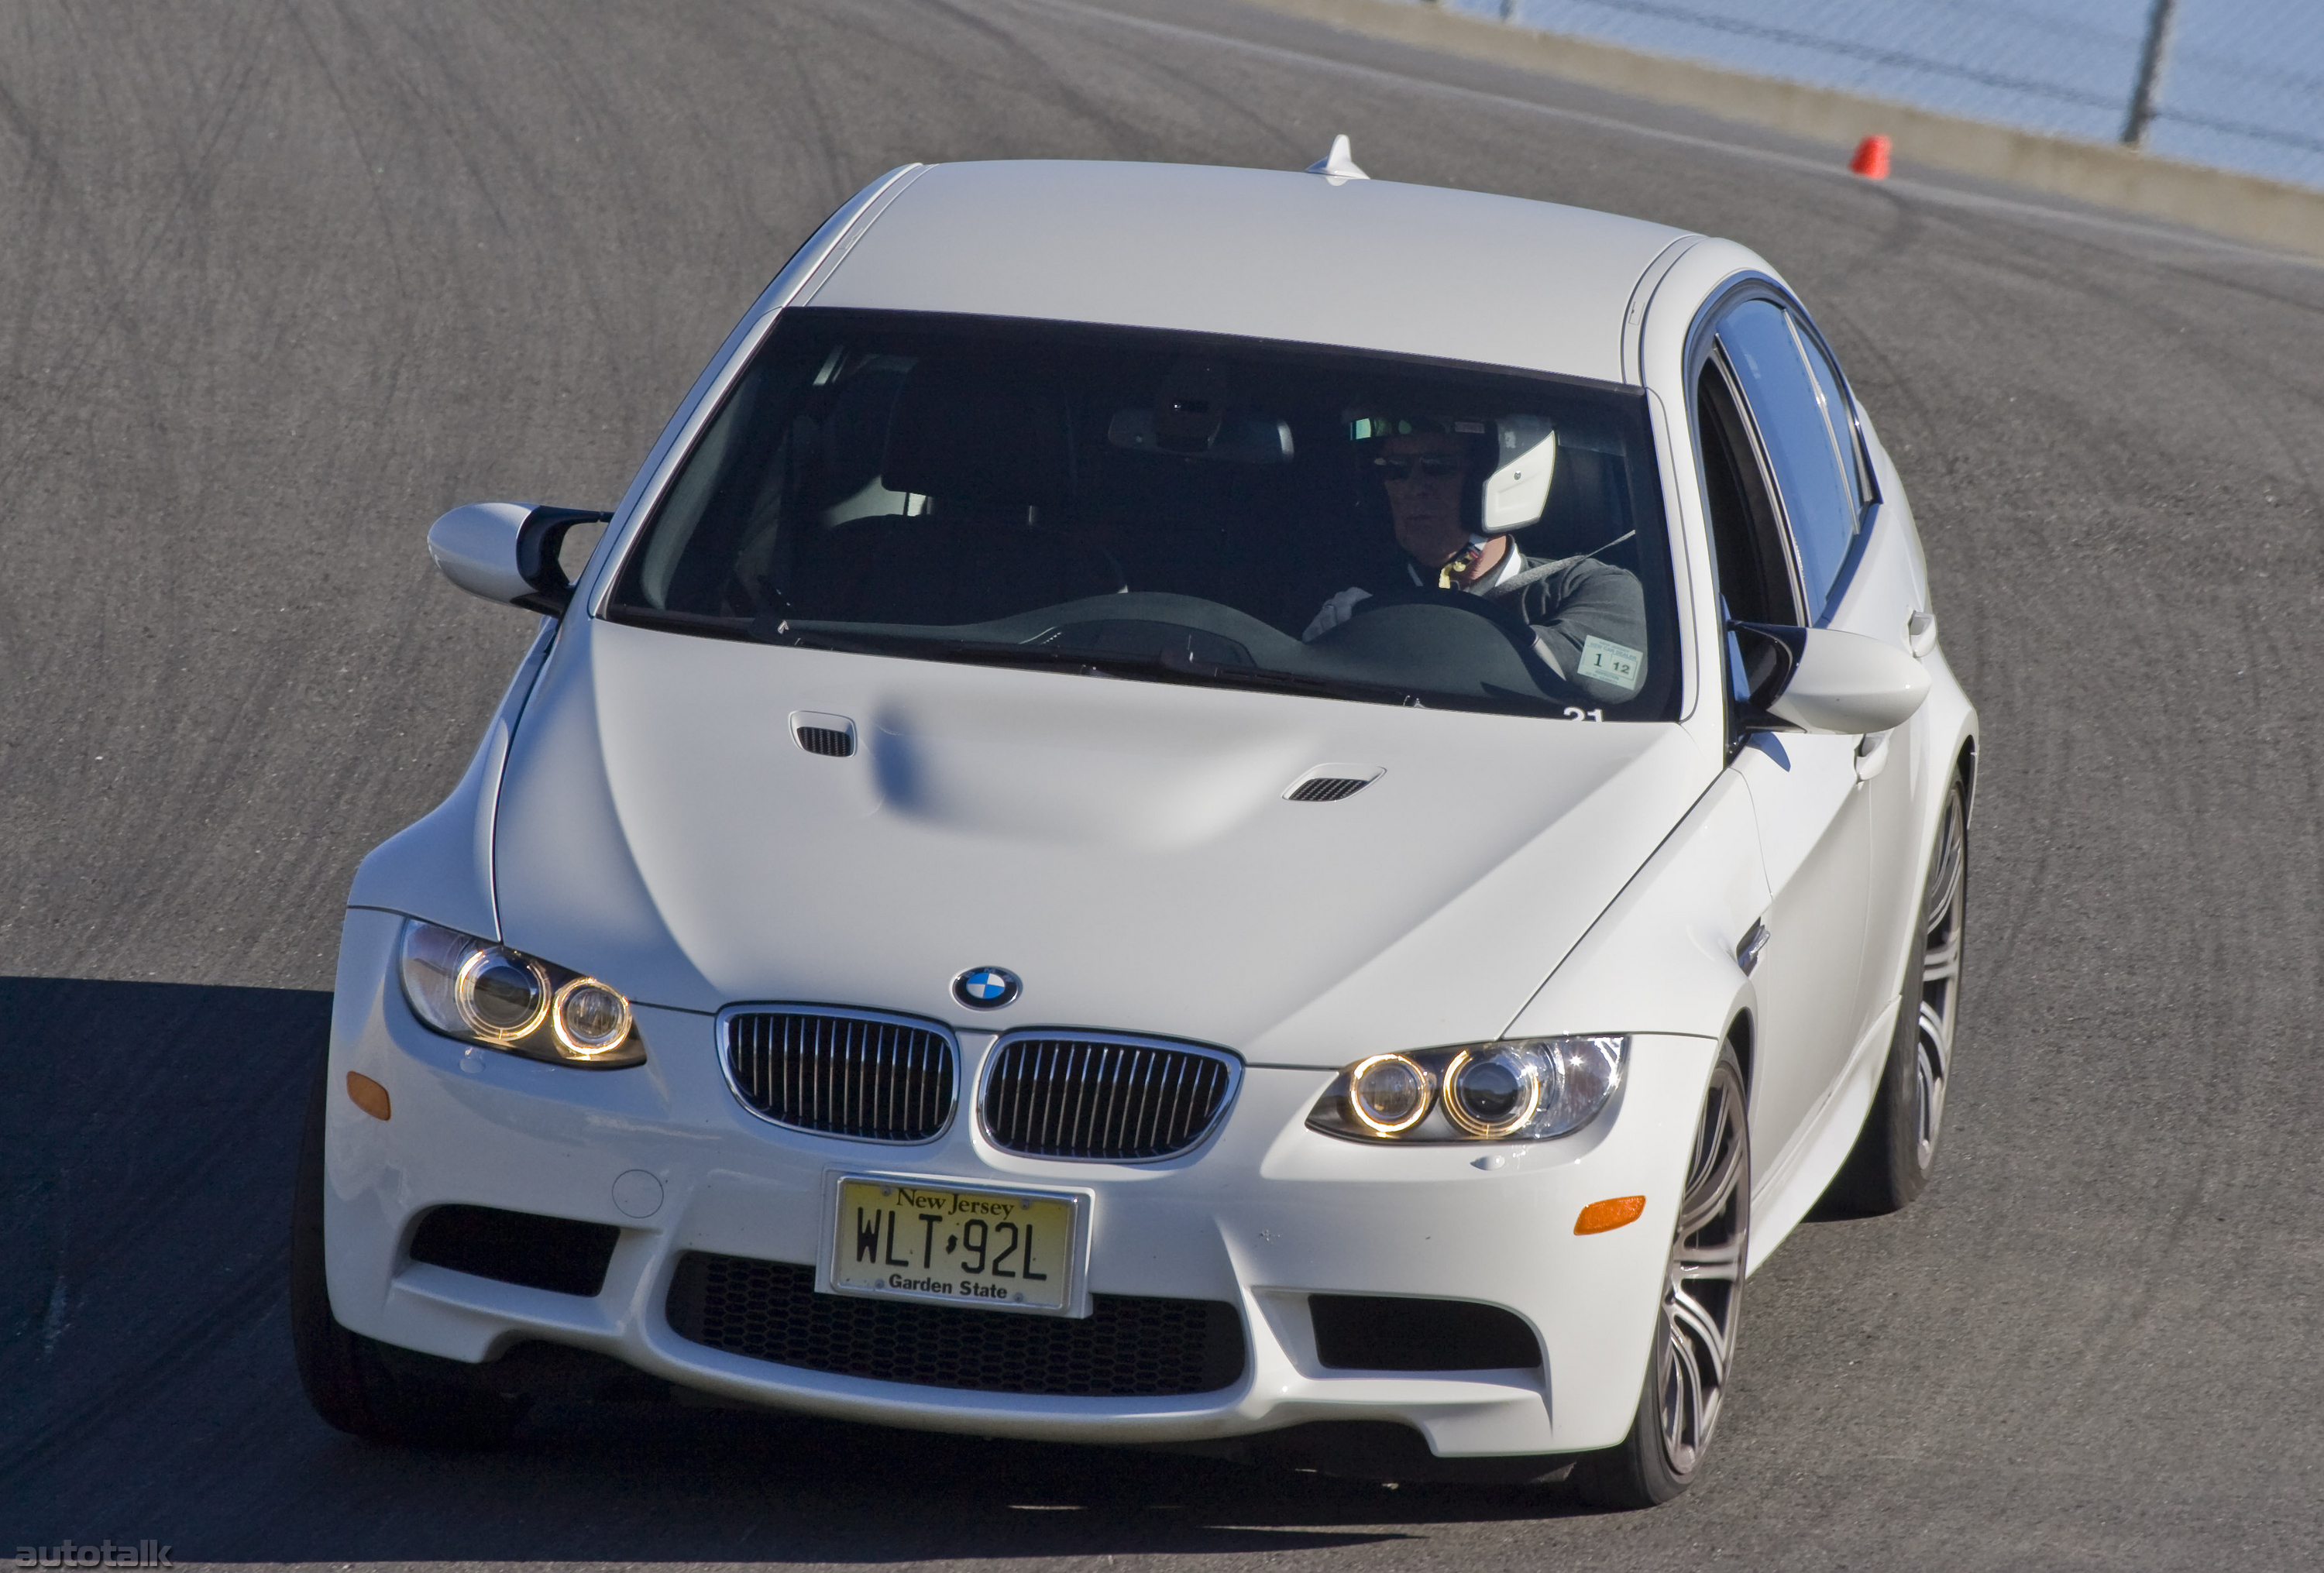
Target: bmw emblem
(987, 988)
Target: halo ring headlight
(590, 1019)
(1389, 1093)
(1493, 1092)
(1531, 1090)
(480, 992)
(491, 994)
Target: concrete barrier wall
(2245, 206)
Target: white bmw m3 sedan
(1266, 812)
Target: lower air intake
(558, 1254)
(1129, 1347)
(1394, 1332)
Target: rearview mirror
(1244, 437)
(1820, 679)
(507, 551)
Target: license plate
(1009, 1250)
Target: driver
(1452, 521)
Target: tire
(1694, 1331)
(344, 1374)
(1893, 1157)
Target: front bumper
(1263, 1215)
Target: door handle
(1872, 755)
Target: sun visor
(1516, 493)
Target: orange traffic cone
(1871, 160)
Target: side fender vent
(1331, 783)
(833, 736)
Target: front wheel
(344, 1375)
(1703, 1301)
(1898, 1148)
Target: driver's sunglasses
(1432, 466)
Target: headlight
(482, 993)
(1493, 1092)
(1526, 1091)
(1388, 1094)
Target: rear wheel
(1703, 1301)
(344, 1375)
(1893, 1156)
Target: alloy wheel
(1703, 1291)
(1940, 971)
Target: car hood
(1124, 847)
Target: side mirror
(507, 551)
(1820, 679)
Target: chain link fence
(2239, 86)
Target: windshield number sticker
(1615, 666)
(1575, 712)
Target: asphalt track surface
(280, 282)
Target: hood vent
(1331, 783)
(833, 736)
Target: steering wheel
(1500, 615)
(1503, 615)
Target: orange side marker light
(372, 1098)
(1609, 1214)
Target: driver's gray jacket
(1589, 618)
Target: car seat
(991, 454)
(1588, 510)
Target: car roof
(1263, 253)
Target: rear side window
(1820, 497)
(1838, 418)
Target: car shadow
(148, 1392)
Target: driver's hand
(1336, 611)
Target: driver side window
(1756, 576)
(1757, 582)
(1790, 417)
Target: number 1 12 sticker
(1615, 666)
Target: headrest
(972, 433)
(854, 435)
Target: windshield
(1182, 509)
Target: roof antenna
(1339, 164)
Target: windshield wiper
(1242, 676)
(776, 629)
(780, 631)
(705, 623)
(1168, 664)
